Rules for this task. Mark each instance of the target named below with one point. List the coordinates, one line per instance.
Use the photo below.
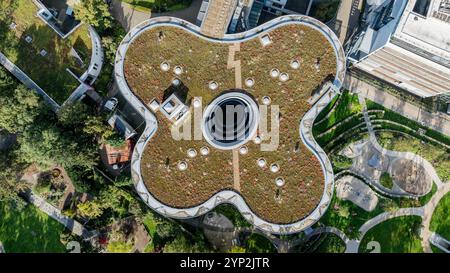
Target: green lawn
(347, 217)
(29, 230)
(440, 221)
(386, 180)
(347, 105)
(49, 71)
(398, 235)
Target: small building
(406, 44)
(124, 128)
(119, 155)
(173, 108)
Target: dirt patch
(411, 176)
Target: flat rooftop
(230, 66)
(410, 49)
(430, 32)
(218, 17)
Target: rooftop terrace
(40, 52)
(160, 53)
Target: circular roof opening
(230, 120)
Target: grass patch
(397, 235)
(49, 71)
(29, 230)
(393, 116)
(347, 217)
(386, 180)
(440, 221)
(347, 105)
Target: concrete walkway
(72, 225)
(439, 122)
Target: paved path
(72, 225)
(428, 213)
(437, 121)
(129, 17)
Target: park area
(203, 62)
(29, 230)
(397, 235)
(40, 52)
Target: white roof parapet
(228, 196)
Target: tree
(181, 244)
(18, 108)
(123, 180)
(90, 209)
(119, 247)
(167, 229)
(344, 212)
(10, 186)
(237, 249)
(95, 13)
(116, 199)
(95, 126)
(47, 144)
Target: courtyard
(40, 52)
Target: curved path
(428, 214)
(227, 196)
(353, 245)
(405, 155)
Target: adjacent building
(407, 44)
